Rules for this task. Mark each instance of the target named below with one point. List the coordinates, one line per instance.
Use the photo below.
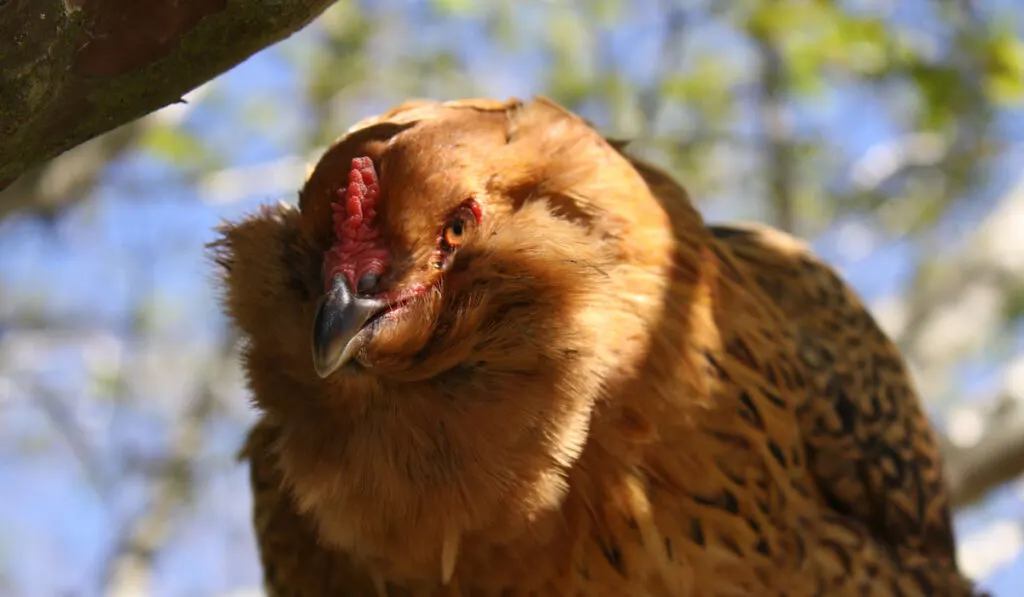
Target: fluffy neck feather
(395, 468)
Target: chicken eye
(455, 232)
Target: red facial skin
(359, 249)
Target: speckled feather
(748, 429)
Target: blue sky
(141, 236)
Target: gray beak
(338, 328)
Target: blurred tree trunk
(71, 70)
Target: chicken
(495, 355)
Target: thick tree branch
(73, 69)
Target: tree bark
(73, 69)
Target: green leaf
(1013, 303)
(174, 145)
(1005, 62)
(460, 8)
(941, 93)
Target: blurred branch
(64, 422)
(270, 178)
(992, 254)
(129, 568)
(775, 122)
(74, 69)
(67, 178)
(997, 459)
(924, 300)
(651, 98)
(889, 158)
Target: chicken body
(597, 394)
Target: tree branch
(997, 459)
(63, 420)
(68, 178)
(73, 69)
(651, 98)
(128, 570)
(775, 122)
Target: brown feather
(602, 396)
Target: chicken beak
(340, 317)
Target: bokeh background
(888, 133)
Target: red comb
(358, 250)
